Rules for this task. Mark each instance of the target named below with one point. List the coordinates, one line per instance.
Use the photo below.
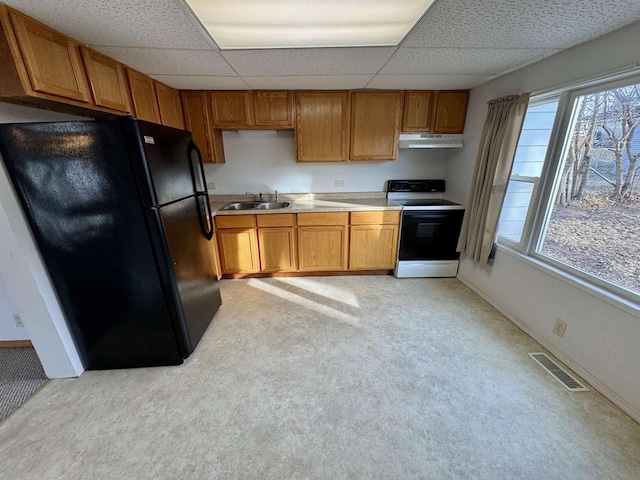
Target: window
(573, 200)
(527, 168)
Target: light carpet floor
(21, 374)
(329, 378)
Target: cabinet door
(451, 112)
(238, 250)
(273, 108)
(277, 249)
(107, 81)
(375, 125)
(197, 121)
(143, 96)
(169, 105)
(322, 126)
(373, 247)
(215, 252)
(52, 60)
(322, 248)
(232, 109)
(419, 112)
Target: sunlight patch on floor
(334, 293)
(304, 302)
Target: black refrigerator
(120, 213)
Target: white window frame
(525, 238)
(545, 192)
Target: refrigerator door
(79, 192)
(170, 170)
(189, 268)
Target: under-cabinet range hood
(429, 140)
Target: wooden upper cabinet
(107, 80)
(419, 111)
(322, 126)
(273, 108)
(143, 96)
(197, 120)
(375, 125)
(51, 59)
(232, 108)
(169, 105)
(451, 112)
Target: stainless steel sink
(256, 205)
(241, 206)
(272, 205)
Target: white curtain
(491, 176)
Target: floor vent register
(558, 373)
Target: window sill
(621, 303)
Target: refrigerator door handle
(200, 168)
(208, 233)
(205, 218)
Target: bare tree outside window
(594, 221)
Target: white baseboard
(624, 405)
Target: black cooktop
(425, 202)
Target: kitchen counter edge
(316, 206)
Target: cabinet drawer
(375, 218)
(334, 218)
(236, 221)
(276, 220)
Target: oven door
(430, 234)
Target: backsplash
(267, 163)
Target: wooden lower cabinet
(238, 244)
(308, 242)
(277, 242)
(322, 248)
(323, 241)
(277, 249)
(216, 256)
(373, 240)
(239, 250)
(372, 247)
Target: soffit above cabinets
(458, 44)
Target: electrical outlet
(17, 319)
(211, 185)
(559, 327)
(339, 183)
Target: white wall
(28, 290)
(602, 341)
(266, 161)
(8, 329)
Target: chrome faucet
(276, 195)
(254, 195)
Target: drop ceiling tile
(142, 23)
(313, 61)
(428, 82)
(202, 82)
(320, 82)
(170, 61)
(519, 24)
(474, 61)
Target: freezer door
(170, 166)
(190, 269)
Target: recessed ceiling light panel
(308, 23)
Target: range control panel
(418, 186)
